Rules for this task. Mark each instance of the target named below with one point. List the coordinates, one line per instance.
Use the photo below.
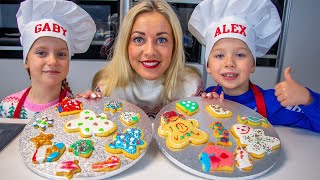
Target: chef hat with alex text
(255, 22)
(55, 18)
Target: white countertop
(299, 159)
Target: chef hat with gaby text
(255, 22)
(55, 18)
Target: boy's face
(150, 45)
(230, 64)
(48, 62)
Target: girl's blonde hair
(118, 73)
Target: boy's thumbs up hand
(291, 93)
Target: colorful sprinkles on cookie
(113, 106)
(69, 106)
(221, 134)
(82, 148)
(43, 123)
(130, 142)
(188, 107)
(253, 121)
(217, 111)
(129, 118)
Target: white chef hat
(255, 22)
(55, 18)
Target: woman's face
(150, 46)
(230, 64)
(48, 61)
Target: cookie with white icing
(112, 163)
(129, 118)
(43, 123)
(217, 111)
(89, 124)
(48, 154)
(68, 168)
(242, 159)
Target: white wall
(302, 50)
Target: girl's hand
(214, 95)
(291, 93)
(89, 95)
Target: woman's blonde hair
(118, 73)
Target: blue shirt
(307, 117)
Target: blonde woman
(148, 65)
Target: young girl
(234, 35)
(148, 64)
(50, 35)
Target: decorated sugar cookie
(221, 134)
(217, 111)
(112, 163)
(113, 106)
(214, 158)
(48, 154)
(42, 139)
(253, 121)
(242, 159)
(68, 168)
(180, 132)
(256, 143)
(130, 142)
(88, 124)
(188, 107)
(43, 123)
(69, 106)
(129, 118)
(82, 148)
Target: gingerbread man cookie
(68, 168)
(88, 124)
(217, 111)
(214, 158)
(112, 163)
(82, 148)
(256, 143)
(113, 106)
(180, 132)
(253, 121)
(188, 107)
(42, 139)
(130, 142)
(221, 134)
(129, 118)
(69, 106)
(50, 154)
(43, 123)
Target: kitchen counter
(298, 160)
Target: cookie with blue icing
(48, 154)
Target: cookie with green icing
(129, 118)
(189, 107)
(82, 148)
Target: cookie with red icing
(130, 143)
(112, 163)
(48, 154)
(221, 134)
(179, 131)
(69, 106)
(82, 148)
(243, 161)
(214, 159)
(68, 168)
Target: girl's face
(150, 45)
(48, 61)
(230, 64)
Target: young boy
(235, 32)
(51, 32)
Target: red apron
(24, 96)
(258, 97)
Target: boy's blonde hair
(119, 73)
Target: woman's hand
(89, 95)
(214, 95)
